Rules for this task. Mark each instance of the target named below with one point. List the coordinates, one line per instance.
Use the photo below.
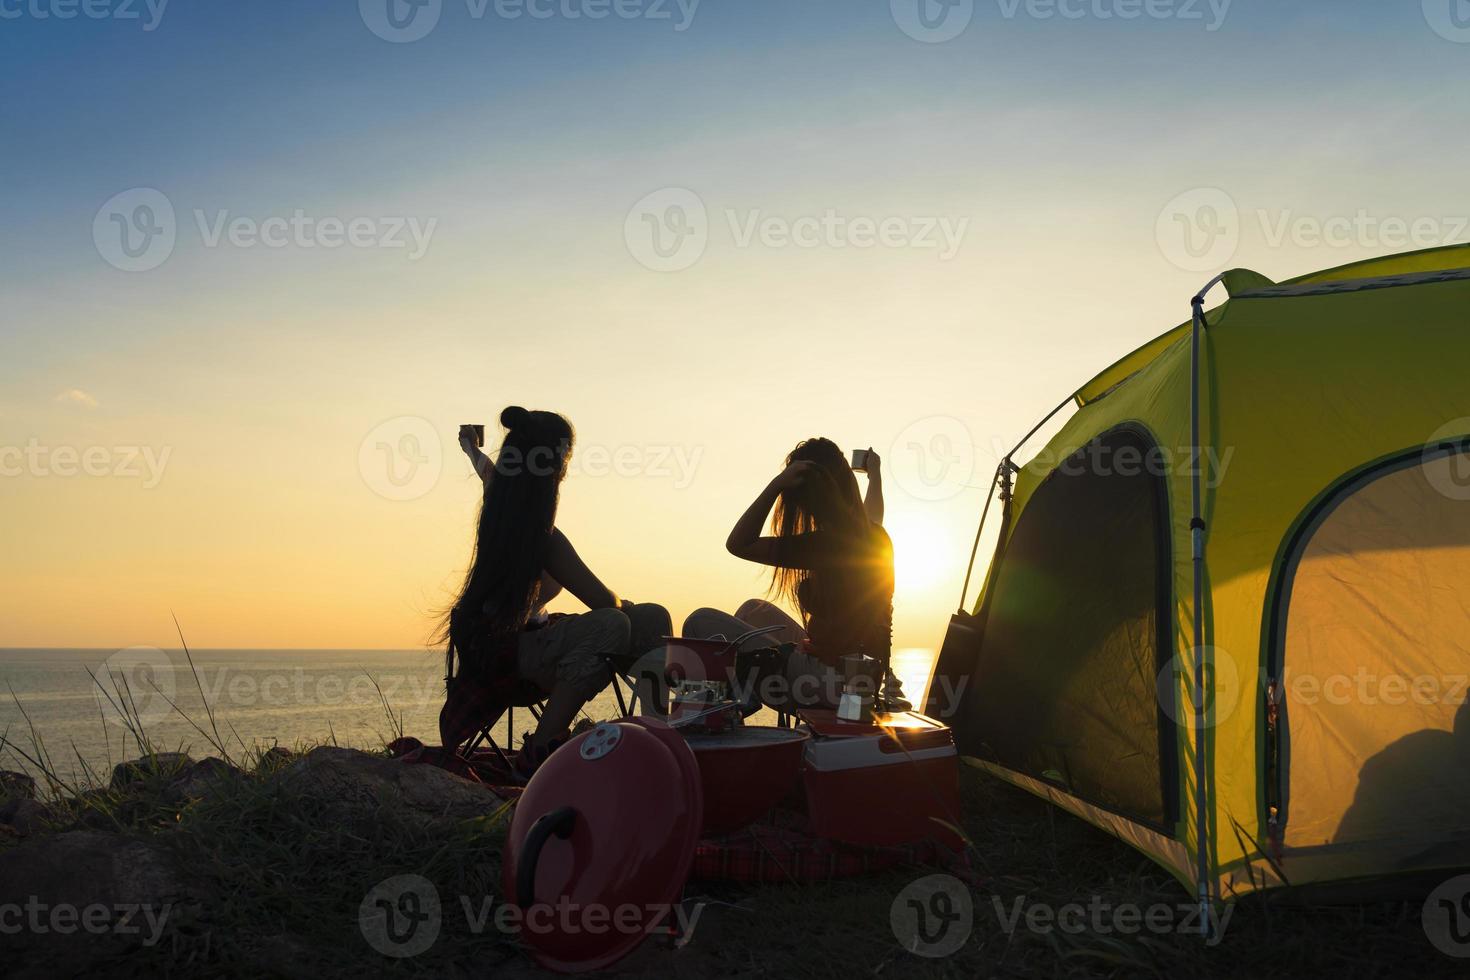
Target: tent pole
(1197, 542)
(975, 549)
(1006, 464)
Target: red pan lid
(600, 845)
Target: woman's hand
(793, 476)
(468, 441)
(873, 502)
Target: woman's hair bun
(514, 417)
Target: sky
(262, 259)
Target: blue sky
(1059, 144)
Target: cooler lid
(601, 842)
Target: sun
(923, 554)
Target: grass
(1029, 851)
(282, 875)
(285, 874)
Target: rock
(25, 816)
(86, 896)
(364, 783)
(16, 785)
(274, 758)
(138, 770)
(199, 779)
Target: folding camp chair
(470, 715)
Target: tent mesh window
(1376, 656)
(1077, 633)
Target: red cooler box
(893, 782)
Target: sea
(76, 713)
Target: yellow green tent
(1253, 670)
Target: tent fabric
(1242, 281)
(1072, 659)
(1299, 394)
(1377, 655)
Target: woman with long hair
(497, 632)
(830, 559)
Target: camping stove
(704, 707)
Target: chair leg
(504, 759)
